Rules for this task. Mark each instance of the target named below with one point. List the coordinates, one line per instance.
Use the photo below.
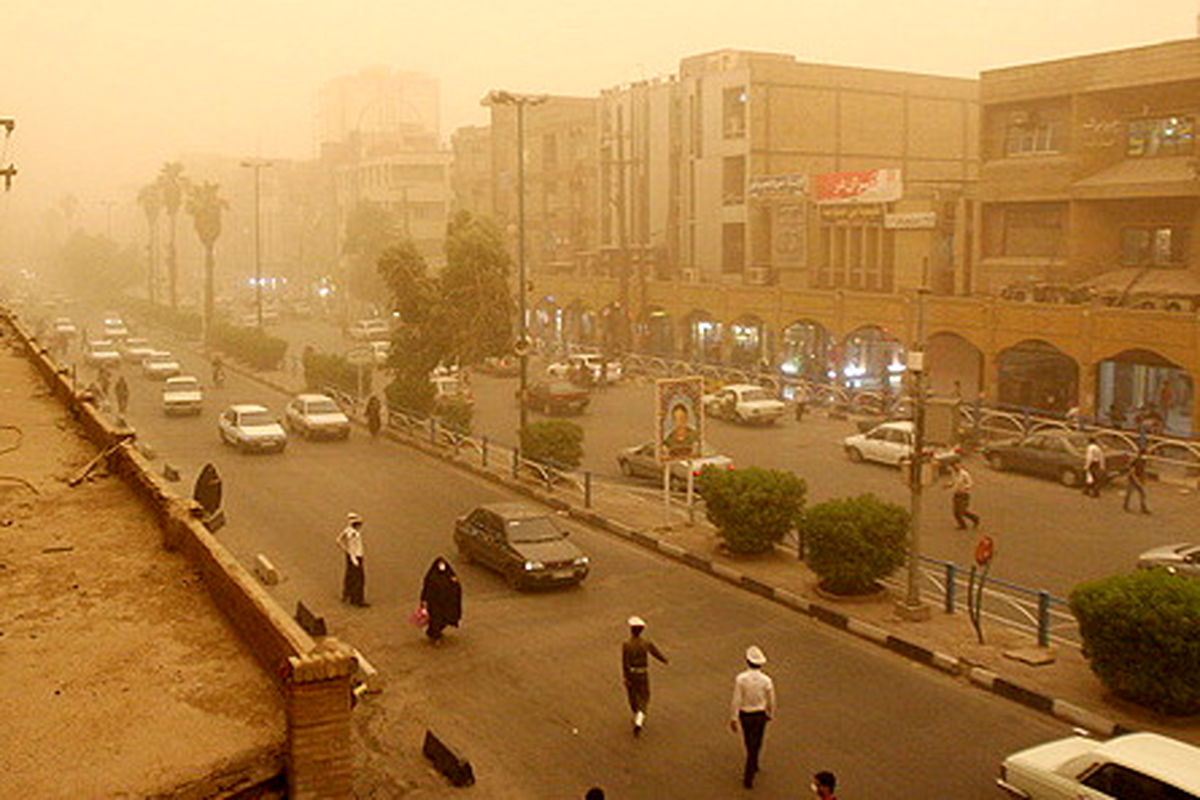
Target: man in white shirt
(961, 483)
(753, 707)
(350, 540)
(1093, 465)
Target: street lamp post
(520, 101)
(257, 165)
(912, 608)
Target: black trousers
(1131, 487)
(353, 581)
(754, 725)
(962, 512)
(637, 690)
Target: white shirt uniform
(961, 481)
(350, 540)
(753, 690)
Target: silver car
(642, 461)
(1177, 559)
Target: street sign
(522, 347)
(360, 356)
(985, 549)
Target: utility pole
(912, 608)
(9, 172)
(520, 101)
(257, 165)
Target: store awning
(1175, 176)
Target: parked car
(450, 388)
(63, 326)
(556, 397)
(182, 395)
(370, 330)
(744, 402)
(1133, 766)
(135, 349)
(500, 366)
(892, 443)
(585, 368)
(114, 327)
(101, 353)
(1177, 559)
(160, 364)
(251, 428)
(641, 461)
(316, 416)
(523, 543)
(1055, 455)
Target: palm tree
(151, 200)
(173, 185)
(205, 205)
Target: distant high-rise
(378, 105)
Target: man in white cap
(350, 540)
(635, 666)
(753, 707)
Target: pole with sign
(679, 429)
(361, 357)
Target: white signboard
(911, 220)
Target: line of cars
(252, 428)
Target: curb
(984, 679)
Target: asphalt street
(530, 688)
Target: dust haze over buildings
(103, 94)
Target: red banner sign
(869, 186)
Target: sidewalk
(1065, 688)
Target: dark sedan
(523, 543)
(1058, 456)
(557, 397)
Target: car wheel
(1069, 477)
(738, 418)
(515, 580)
(996, 461)
(464, 554)
(626, 468)
(854, 454)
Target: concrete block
(867, 631)
(265, 570)
(671, 549)
(446, 761)
(1068, 712)
(982, 677)
(371, 678)
(945, 663)
(728, 573)
(792, 600)
(310, 622)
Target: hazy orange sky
(105, 90)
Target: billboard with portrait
(679, 418)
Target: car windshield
(159, 358)
(533, 529)
(188, 385)
(323, 407)
(252, 419)
(752, 395)
(560, 387)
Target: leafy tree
(852, 542)
(370, 230)
(752, 508)
(477, 302)
(205, 205)
(96, 265)
(1139, 636)
(557, 442)
(150, 198)
(172, 184)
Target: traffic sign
(521, 346)
(360, 356)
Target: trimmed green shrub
(185, 322)
(752, 508)
(252, 346)
(852, 542)
(330, 369)
(557, 442)
(456, 415)
(1141, 636)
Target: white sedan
(744, 402)
(890, 443)
(182, 395)
(102, 353)
(251, 428)
(160, 364)
(316, 416)
(1137, 765)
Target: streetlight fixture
(257, 164)
(912, 608)
(520, 101)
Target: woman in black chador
(441, 594)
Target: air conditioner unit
(691, 276)
(758, 276)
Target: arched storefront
(747, 341)
(804, 350)
(1137, 384)
(702, 337)
(546, 322)
(871, 358)
(1035, 374)
(579, 324)
(955, 366)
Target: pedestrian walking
(635, 669)
(374, 415)
(1135, 481)
(962, 483)
(801, 399)
(122, 392)
(441, 596)
(824, 785)
(752, 708)
(354, 579)
(1093, 466)
(104, 378)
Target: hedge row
(330, 369)
(185, 322)
(250, 345)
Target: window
(733, 247)
(733, 180)
(1027, 134)
(854, 256)
(1152, 246)
(1118, 781)
(1033, 231)
(733, 112)
(1165, 136)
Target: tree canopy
(370, 230)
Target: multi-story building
(471, 180)
(375, 104)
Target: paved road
(530, 684)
